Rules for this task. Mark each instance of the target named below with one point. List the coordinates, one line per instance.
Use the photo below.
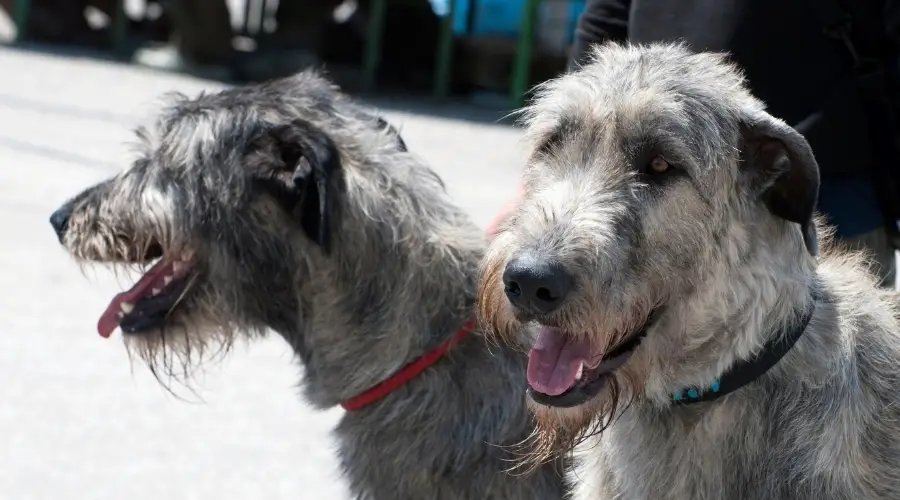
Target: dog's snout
(60, 220)
(535, 284)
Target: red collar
(406, 373)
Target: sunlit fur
(727, 271)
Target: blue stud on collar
(694, 393)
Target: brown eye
(659, 165)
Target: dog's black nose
(60, 220)
(534, 284)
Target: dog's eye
(658, 165)
(654, 170)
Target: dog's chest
(729, 453)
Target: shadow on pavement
(17, 103)
(56, 154)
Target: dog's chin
(558, 430)
(568, 420)
(176, 344)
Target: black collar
(746, 371)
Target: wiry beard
(201, 334)
(201, 328)
(558, 431)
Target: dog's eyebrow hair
(566, 127)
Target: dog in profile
(287, 207)
(694, 333)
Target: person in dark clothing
(794, 68)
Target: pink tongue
(109, 320)
(554, 361)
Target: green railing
(372, 57)
(444, 52)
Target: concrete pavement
(75, 421)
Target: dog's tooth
(177, 266)
(167, 280)
(580, 372)
(127, 307)
(156, 291)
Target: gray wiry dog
(286, 206)
(690, 341)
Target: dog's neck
(745, 371)
(409, 372)
(730, 317)
(378, 314)
(432, 433)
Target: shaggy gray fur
(299, 211)
(724, 246)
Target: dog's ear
(782, 171)
(311, 160)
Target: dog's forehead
(181, 135)
(639, 88)
(628, 111)
(636, 121)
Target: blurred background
(77, 420)
(473, 48)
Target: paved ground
(75, 421)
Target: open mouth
(150, 302)
(564, 373)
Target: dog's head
(282, 205)
(652, 172)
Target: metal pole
(20, 17)
(119, 30)
(372, 56)
(444, 56)
(522, 65)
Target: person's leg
(203, 30)
(295, 44)
(201, 41)
(300, 24)
(878, 245)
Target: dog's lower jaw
(571, 419)
(576, 395)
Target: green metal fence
(372, 57)
(444, 51)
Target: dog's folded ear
(782, 172)
(309, 158)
